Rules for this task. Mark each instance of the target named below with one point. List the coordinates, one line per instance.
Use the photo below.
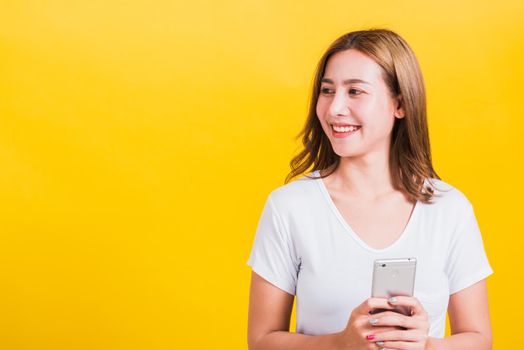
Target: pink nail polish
(370, 336)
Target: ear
(399, 112)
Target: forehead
(352, 64)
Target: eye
(354, 92)
(326, 91)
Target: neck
(366, 177)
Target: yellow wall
(139, 140)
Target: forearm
(460, 341)
(280, 340)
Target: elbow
(259, 341)
(253, 341)
(487, 341)
(487, 338)
(251, 344)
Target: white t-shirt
(304, 246)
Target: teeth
(345, 128)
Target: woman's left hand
(416, 327)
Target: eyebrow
(346, 82)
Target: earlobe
(400, 111)
(399, 114)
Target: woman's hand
(360, 333)
(415, 328)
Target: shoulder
(448, 197)
(296, 192)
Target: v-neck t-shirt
(305, 247)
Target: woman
(372, 193)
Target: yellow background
(140, 139)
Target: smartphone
(394, 277)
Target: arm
(469, 320)
(268, 321)
(269, 315)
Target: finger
(373, 323)
(371, 304)
(411, 302)
(393, 319)
(411, 335)
(400, 345)
(381, 329)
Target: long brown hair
(410, 157)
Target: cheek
(319, 109)
(322, 105)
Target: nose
(339, 105)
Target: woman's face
(354, 107)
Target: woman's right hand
(359, 331)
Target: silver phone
(394, 277)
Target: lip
(343, 124)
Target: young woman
(372, 193)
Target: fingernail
(379, 343)
(373, 321)
(392, 299)
(370, 336)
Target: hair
(410, 157)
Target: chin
(346, 152)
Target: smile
(345, 128)
(340, 131)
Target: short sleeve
(273, 255)
(467, 262)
